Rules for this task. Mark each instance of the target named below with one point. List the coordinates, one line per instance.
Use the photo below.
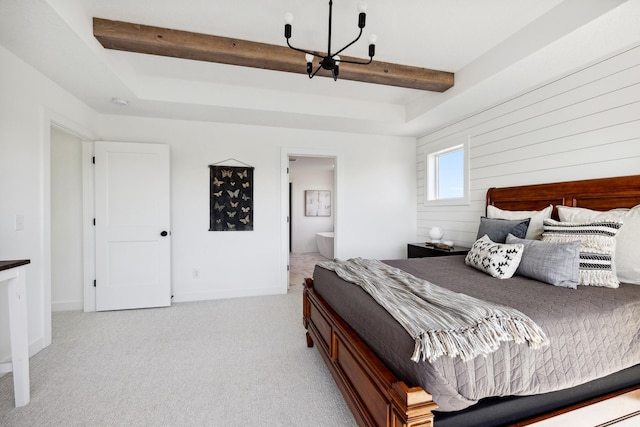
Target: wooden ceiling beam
(203, 47)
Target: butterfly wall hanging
(231, 198)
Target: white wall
(66, 222)
(376, 215)
(28, 103)
(309, 173)
(230, 264)
(583, 125)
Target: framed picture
(317, 203)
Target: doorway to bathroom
(311, 214)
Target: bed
(381, 394)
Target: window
(447, 174)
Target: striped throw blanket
(441, 322)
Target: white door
(132, 209)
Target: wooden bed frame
(374, 395)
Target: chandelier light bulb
(373, 39)
(362, 7)
(337, 59)
(288, 18)
(308, 57)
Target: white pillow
(627, 247)
(536, 227)
(497, 259)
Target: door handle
(164, 234)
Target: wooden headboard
(598, 194)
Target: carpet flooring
(234, 362)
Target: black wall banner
(231, 202)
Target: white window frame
(431, 172)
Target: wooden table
(12, 275)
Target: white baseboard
(34, 347)
(67, 306)
(225, 294)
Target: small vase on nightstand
(436, 234)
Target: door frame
(52, 118)
(285, 153)
(88, 230)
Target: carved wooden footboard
(376, 398)
(374, 395)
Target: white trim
(35, 346)
(285, 153)
(50, 118)
(294, 202)
(88, 230)
(45, 226)
(459, 140)
(225, 294)
(66, 306)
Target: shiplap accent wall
(579, 126)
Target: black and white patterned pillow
(500, 260)
(597, 248)
(627, 248)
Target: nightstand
(420, 250)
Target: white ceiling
(497, 48)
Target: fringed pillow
(597, 248)
(497, 259)
(627, 247)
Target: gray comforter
(593, 332)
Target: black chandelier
(331, 61)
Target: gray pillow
(554, 263)
(497, 229)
